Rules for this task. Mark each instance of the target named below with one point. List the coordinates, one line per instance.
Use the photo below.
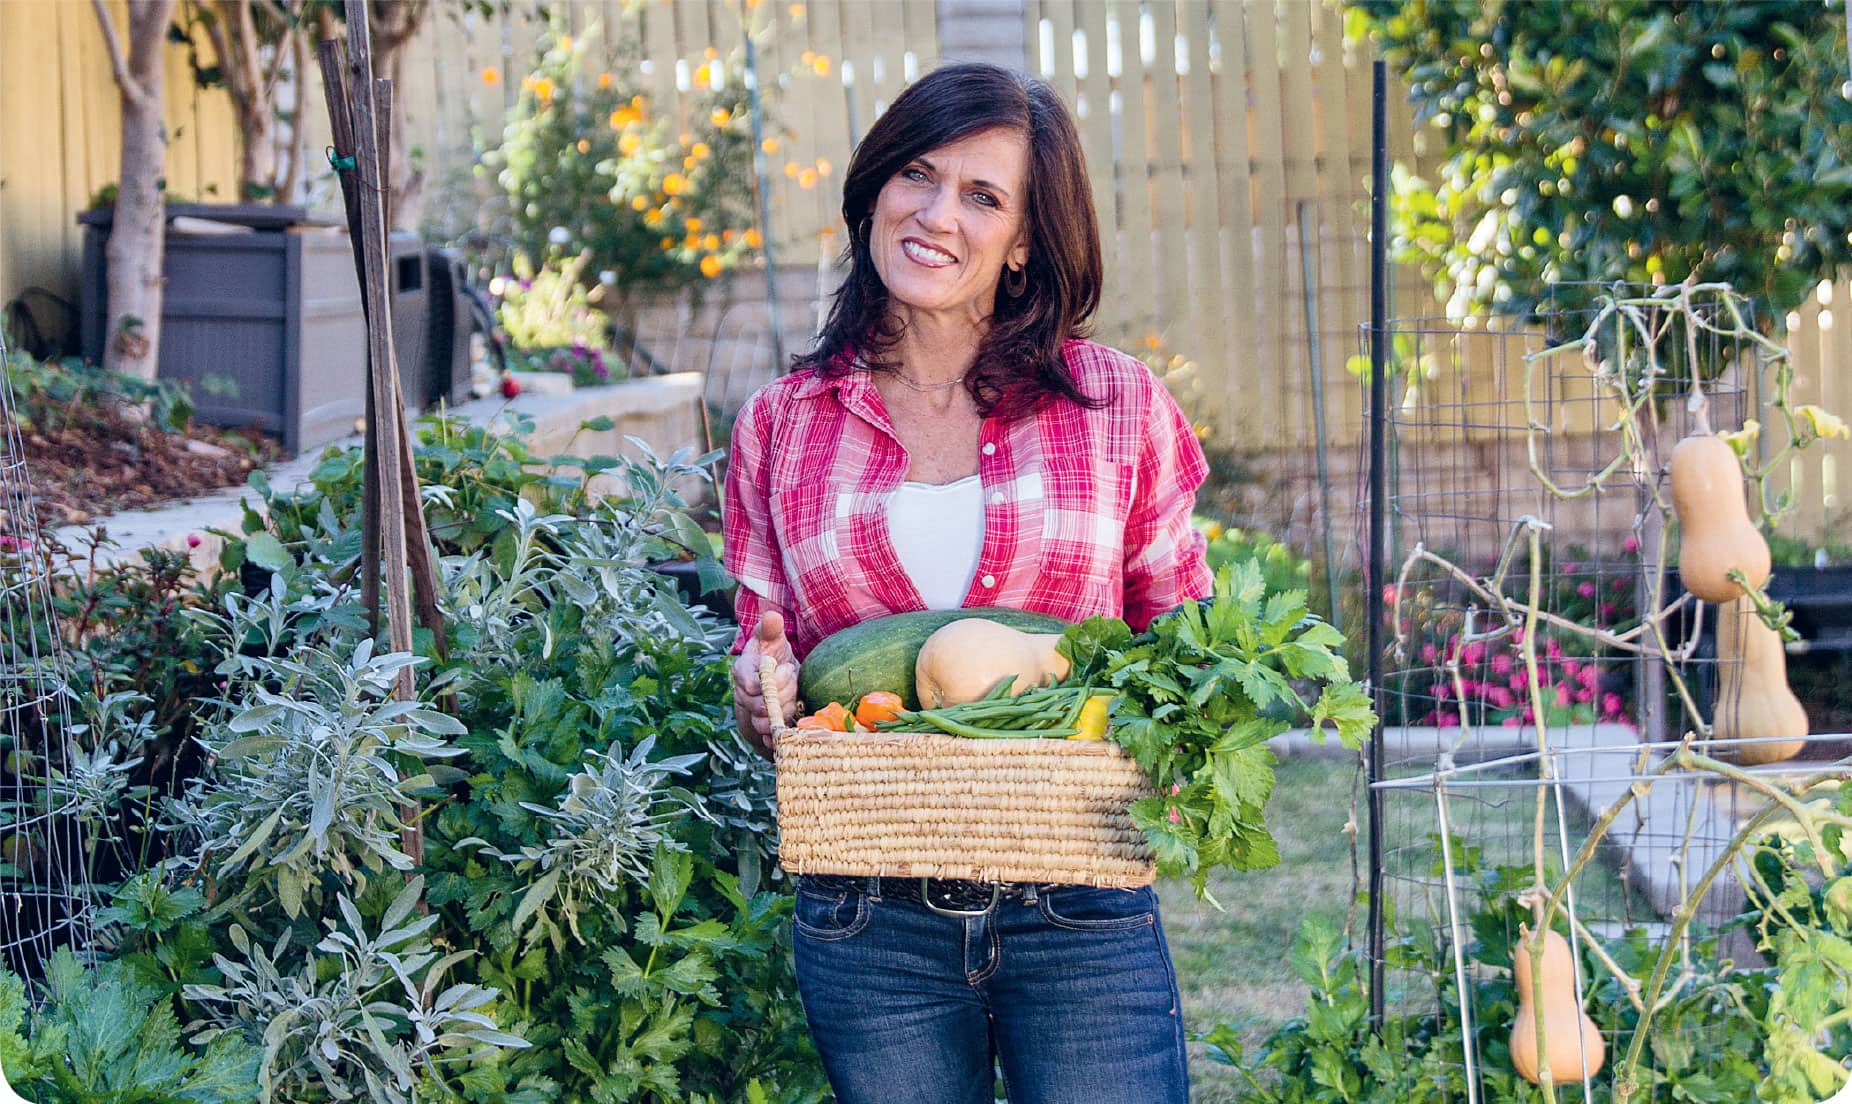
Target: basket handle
(768, 676)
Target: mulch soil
(96, 461)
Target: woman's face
(948, 221)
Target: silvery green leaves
(310, 775)
(360, 1016)
(612, 818)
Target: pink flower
(1441, 691)
(1584, 695)
(1610, 704)
(1620, 584)
(1475, 653)
(1389, 595)
(1429, 653)
(1631, 544)
(1470, 687)
(1562, 693)
(14, 544)
(1607, 611)
(193, 540)
(1553, 649)
(1511, 722)
(1517, 682)
(1500, 697)
(1447, 719)
(1570, 668)
(1589, 676)
(1585, 589)
(1572, 568)
(1174, 818)
(1501, 664)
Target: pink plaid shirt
(1086, 512)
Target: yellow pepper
(1093, 720)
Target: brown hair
(1019, 362)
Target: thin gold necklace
(927, 387)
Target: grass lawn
(1232, 965)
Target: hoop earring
(1015, 281)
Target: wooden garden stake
(357, 108)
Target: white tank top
(938, 530)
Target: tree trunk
(137, 234)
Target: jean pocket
(1082, 908)
(828, 916)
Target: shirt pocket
(810, 540)
(1085, 501)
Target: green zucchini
(879, 654)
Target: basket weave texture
(928, 805)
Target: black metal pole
(1379, 424)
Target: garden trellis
(1549, 692)
(44, 778)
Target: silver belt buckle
(996, 894)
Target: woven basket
(926, 805)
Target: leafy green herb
(1199, 694)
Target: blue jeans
(1069, 990)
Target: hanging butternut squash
(1571, 1040)
(1753, 699)
(1716, 535)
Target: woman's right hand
(749, 696)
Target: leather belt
(945, 896)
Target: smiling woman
(954, 442)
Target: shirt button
(990, 448)
(988, 581)
(996, 499)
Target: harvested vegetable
(877, 706)
(1094, 718)
(833, 717)
(1197, 697)
(879, 654)
(966, 660)
(1051, 712)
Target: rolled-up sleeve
(752, 555)
(1165, 562)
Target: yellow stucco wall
(60, 136)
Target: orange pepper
(833, 717)
(877, 706)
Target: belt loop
(1031, 893)
(873, 887)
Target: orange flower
(791, 169)
(690, 161)
(797, 11)
(720, 116)
(583, 146)
(807, 56)
(629, 144)
(565, 43)
(703, 75)
(727, 235)
(807, 179)
(710, 268)
(543, 89)
(638, 203)
(693, 225)
(666, 244)
(823, 166)
(821, 66)
(604, 81)
(654, 218)
(700, 151)
(711, 242)
(710, 53)
(674, 184)
(752, 238)
(491, 76)
(686, 139)
(770, 145)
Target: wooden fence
(1228, 142)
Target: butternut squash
(966, 660)
(1571, 1040)
(1753, 698)
(1716, 535)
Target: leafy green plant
(549, 310)
(1199, 694)
(371, 1017)
(96, 1035)
(1671, 139)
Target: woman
(952, 441)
